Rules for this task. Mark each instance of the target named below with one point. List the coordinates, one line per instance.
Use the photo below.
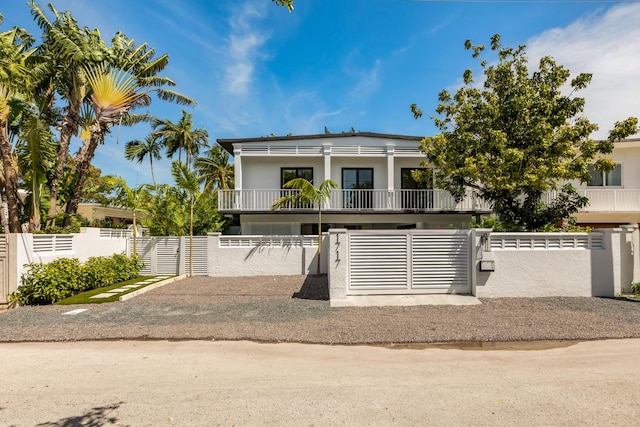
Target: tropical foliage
(306, 194)
(74, 84)
(513, 136)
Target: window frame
(298, 174)
(604, 178)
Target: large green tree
(515, 134)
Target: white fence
(264, 255)
(602, 263)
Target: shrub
(635, 287)
(64, 277)
(48, 283)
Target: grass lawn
(85, 297)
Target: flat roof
(227, 143)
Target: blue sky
(256, 69)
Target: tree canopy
(515, 135)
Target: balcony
(614, 200)
(353, 201)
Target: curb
(151, 287)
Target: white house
(376, 188)
(614, 198)
(373, 173)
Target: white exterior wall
(258, 260)
(263, 173)
(605, 270)
(86, 244)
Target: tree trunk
(11, 180)
(83, 161)
(69, 128)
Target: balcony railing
(600, 200)
(614, 200)
(353, 201)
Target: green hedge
(64, 277)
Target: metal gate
(409, 262)
(200, 256)
(162, 255)
(168, 254)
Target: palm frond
(173, 96)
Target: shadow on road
(95, 417)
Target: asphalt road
(205, 383)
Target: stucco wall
(263, 260)
(86, 244)
(605, 269)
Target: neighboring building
(95, 213)
(373, 173)
(614, 197)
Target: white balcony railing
(354, 201)
(600, 200)
(614, 200)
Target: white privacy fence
(601, 263)
(364, 263)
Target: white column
(237, 175)
(326, 152)
(391, 175)
(237, 162)
(390, 167)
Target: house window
(416, 200)
(355, 183)
(408, 179)
(287, 174)
(605, 179)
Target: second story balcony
(353, 201)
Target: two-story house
(377, 189)
(373, 171)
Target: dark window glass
(603, 179)
(354, 182)
(287, 174)
(408, 181)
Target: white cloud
(606, 45)
(243, 48)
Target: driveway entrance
(409, 262)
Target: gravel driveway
(296, 309)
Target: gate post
(337, 256)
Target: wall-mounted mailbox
(487, 265)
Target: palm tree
(189, 182)
(36, 155)
(66, 51)
(134, 199)
(307, 194)
(138, 150)
(114, 93)
(214, 170)
(16, 82)
(181, 136)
